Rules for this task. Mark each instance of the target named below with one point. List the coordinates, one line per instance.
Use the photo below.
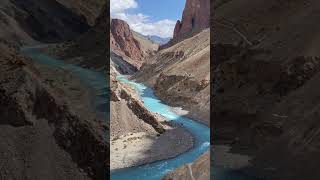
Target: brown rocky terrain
(49, 129)
(89, 50)
(195, 17)
(91, 10)
(122, 39)
(179, 73)
(28, 21)
(42, 135)
(132, 47)
(266, 65)
(128, 49)
(171, 73)
(138, 136)
(198, 170)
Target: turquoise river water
(153, 171)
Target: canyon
(265, 69)
(170, 73)
(133, 128)
(49, 127)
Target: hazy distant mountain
(157, 39)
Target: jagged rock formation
(42, 135)
(196, 15)
(129, 49)
(265, 73)
(123, 42)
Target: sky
(149, 17)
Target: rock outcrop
(123, 42)
(196, 16)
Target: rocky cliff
(196, 16)
(266, 64)
(123, 42)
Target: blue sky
(149, 17)
(160, 9)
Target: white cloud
(140, 22)
(119, 6)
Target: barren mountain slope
(266, 68)
(89, 9)
(88, 50)
(180, 75)
(130, 46)
(41, 126)
(26, 21)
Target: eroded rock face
(196, 15)
(123, 41)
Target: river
(156, 170)
(153, 171)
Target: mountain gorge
(179, 73)
(49, 128)
(265, 73)
(138, 136)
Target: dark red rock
(122, 40)
(196, 16)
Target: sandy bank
(140, 148)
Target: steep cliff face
(123, 42)
(196, 16)
(264, 74)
